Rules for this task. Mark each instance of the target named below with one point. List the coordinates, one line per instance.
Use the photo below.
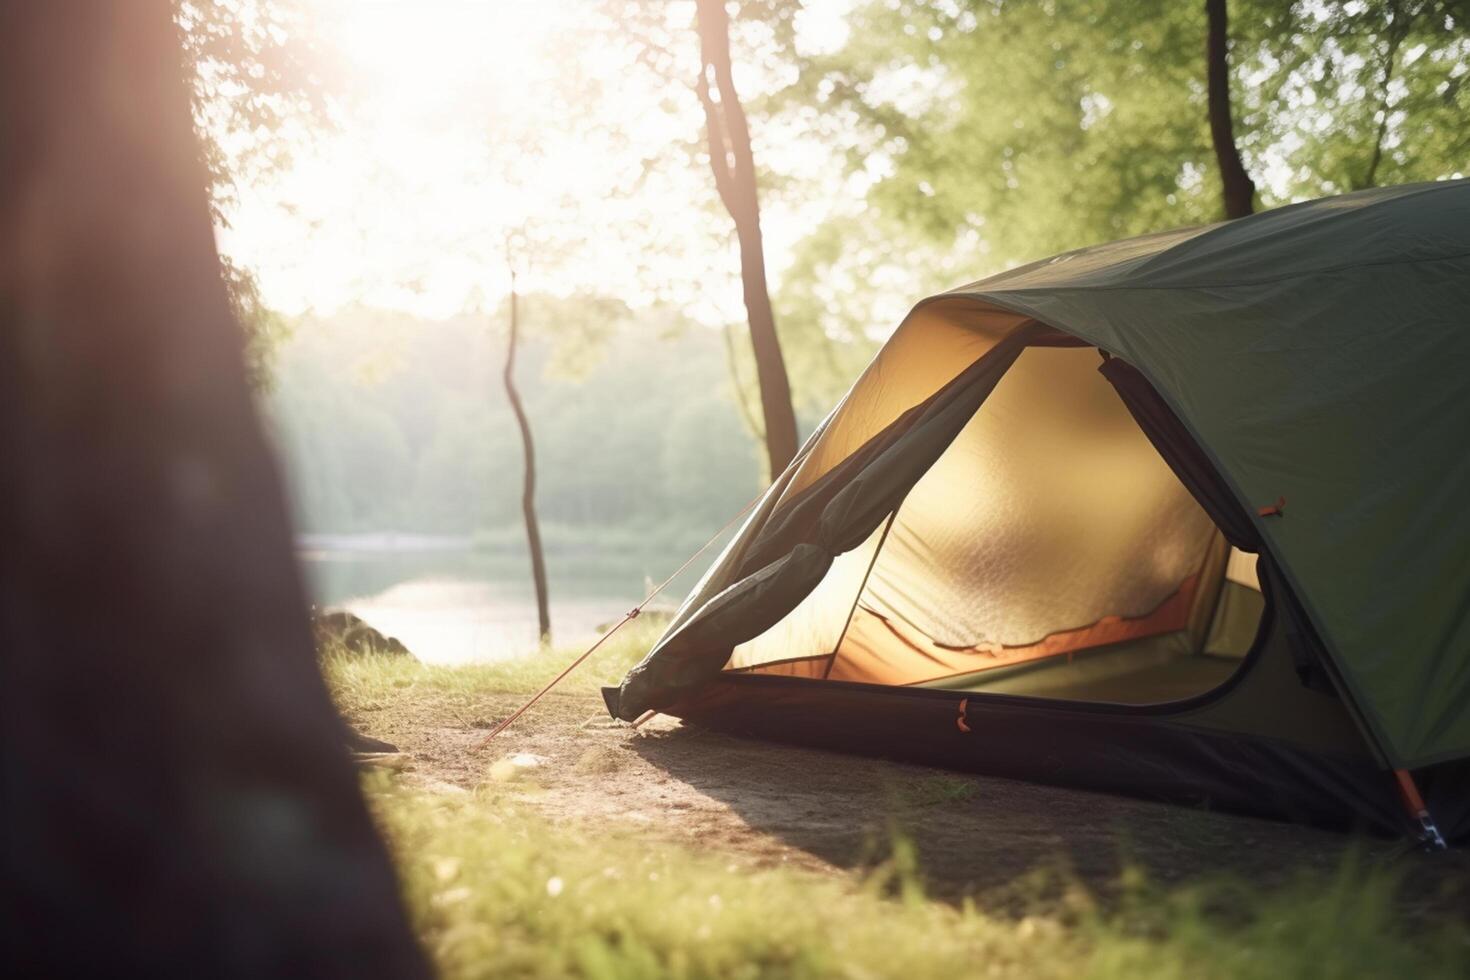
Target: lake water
(452, 605)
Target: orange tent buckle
(959, 722)
(1273, 510)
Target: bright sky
(406, 203)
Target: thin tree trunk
(733, 165)
(1398, 30)
(528, 485)
(177, 799)
(732, 361)
(1238, 189)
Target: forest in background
(386, 421)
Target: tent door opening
(1050, 552)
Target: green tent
(1183, 515)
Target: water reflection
(454, 606)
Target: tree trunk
(737, 387)
(1238, 188)
(177, 799)
(1398, 29)
(528, 484)
(733, 165)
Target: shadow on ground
(1011, 845)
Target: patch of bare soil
(1007, 844)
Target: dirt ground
(1008, 845)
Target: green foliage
(984, 133)
(849, 284)
(265, 330)
(1352, 95)
(250, 64)
(661, 40)
(254, 95)
(1030, 126)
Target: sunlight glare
(425, 53)
(458, 121)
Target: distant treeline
(386, 421)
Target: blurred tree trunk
(1238, 189)
(528, 485)
(733, 166)
(176, 797)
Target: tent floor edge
(1134, 756)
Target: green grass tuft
(1348, 925)
(936, 789)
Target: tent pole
(836, 647)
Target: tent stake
(631, 614)
(1429, 836)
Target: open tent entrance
(1050, 551)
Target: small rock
(338, 629)
(396, 761)
(515, 766)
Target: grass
(1347, 925)
(494, 890)
(368, 682)
(933, 789)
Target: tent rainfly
(1185, 516)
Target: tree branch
(747, 414)
(1398, 30)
